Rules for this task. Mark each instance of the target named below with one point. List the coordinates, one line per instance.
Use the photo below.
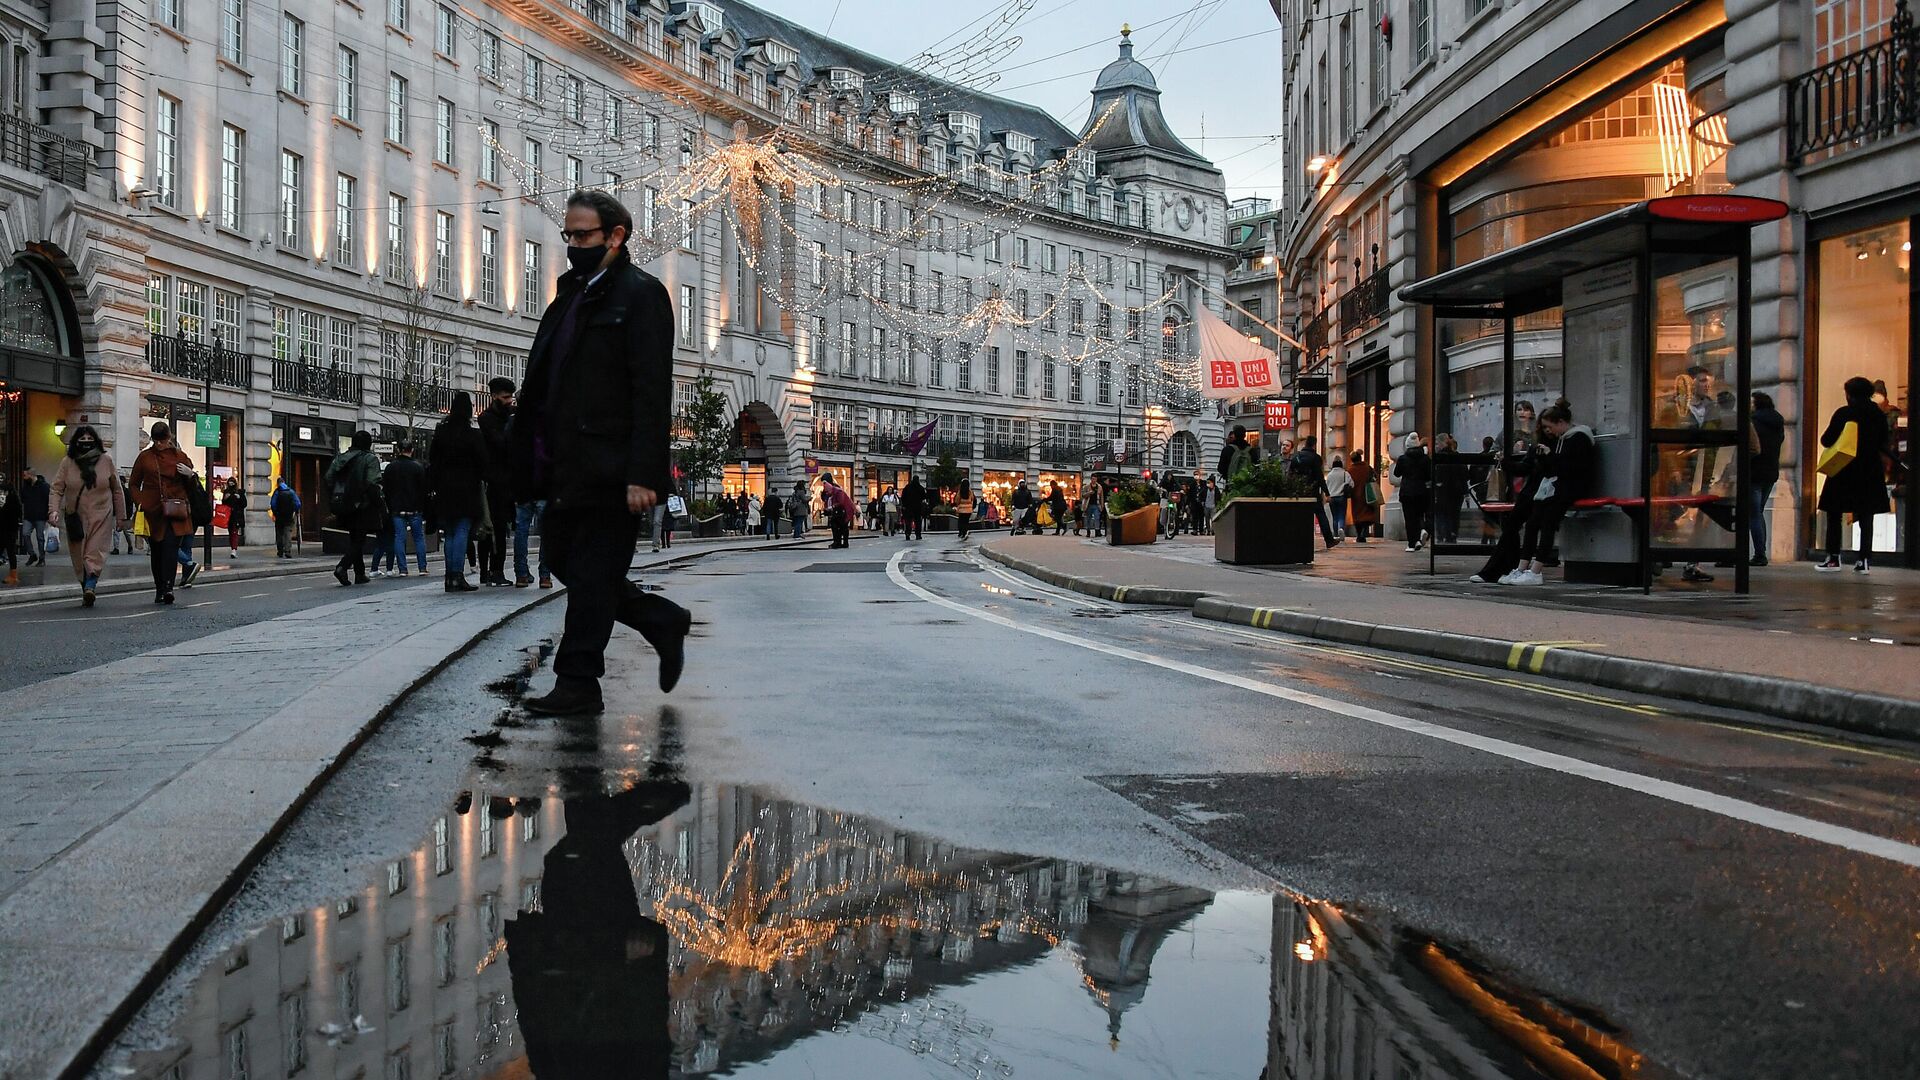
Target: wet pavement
(877, 836)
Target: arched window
(1183, 453)
(1170, 338)
(30, 315)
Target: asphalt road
(1726, 896)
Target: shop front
(1862, 325)
(211, 438)
(307, 444)
(1369, 415)
(996, 487)
(1068, 483)
(40, 367)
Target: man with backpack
(353, 488)
(285, 508)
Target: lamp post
(206, 402)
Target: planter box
(1265, 532)
(1140, 526)
(707, 526)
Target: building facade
(1426, 134)
(279, 223)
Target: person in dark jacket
(284, 506)
(1516, 487)
(36, 506)
(499, 484)
(770, 511)
(913, 509)
(1562, 478)
(357, 470)
(1413, 471)
(235, 501)
(591, 437)
(10, 528)
(1308, 465)
(1236, 439)
(1022, 503)
(1451, 482)
(1859, 488)
(1770, 434)
(405, 486)
(456, 467)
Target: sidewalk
(1822, 649)
(139, 795)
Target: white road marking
(1737, 809)
(93, 618)
(255, 595)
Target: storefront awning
(1528, 277)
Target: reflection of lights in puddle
(1875, 640)
(996, 590)
(1315, 946)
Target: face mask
(586, 260)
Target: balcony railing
(891, 445)
(1365, 303)
(1006, 450)
(1862, 97)
(1314, 337)
(829, 440)
(411, 395)
(192, 360)
(959, 448)
(301, 379)
(36, 149)
(1062, 453)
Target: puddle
(639, 927)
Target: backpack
(283, 505)
(200, 504)
(349, 494)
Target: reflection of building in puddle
(785, 921)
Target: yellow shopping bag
(1842, 452)
(140, 524)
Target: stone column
(1407, 325)
(257, 427)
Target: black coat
(405, 483)
(493, 424)
(1413, 469)
(598, 419)
(1771, 428)
(36, 500)
(913, 500)
(1861, 487)
(9, 514)
(456, 465)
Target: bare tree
(412, 318)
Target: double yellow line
(1517, 656)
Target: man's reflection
(589, 970)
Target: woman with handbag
(1858, 485)
(1365, 506)
(92, 505)
(160, 479)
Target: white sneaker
(1511, 577)
(1861, 567)
(1477, 580)
(1413, 547)
(1529, 577)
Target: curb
(29, 594)
(1789, 699)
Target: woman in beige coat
(87, 487)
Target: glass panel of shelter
(1490, 404)
(1693, 387)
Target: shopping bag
(140, 524)
(1372, 494)
(1842, 452)
(222, 514)
(676, 506)
(53, 541)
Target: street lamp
(1318, 163)
(60, 428)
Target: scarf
(87, 459)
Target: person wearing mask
(456, 469)
(499, 485)
(963, 508)
(353, 480)
(841, 511)
(1413, 472)
(1859, 487)
(1364, 505)
(405, 486)
(1560, 479)
(1307, 464)
(1022, 502)
(1339, 484)
(593, 437)
(87, 490)
(36, 505)
(913, 509)
(10, 528)
(770, 512)
(235, 501)
(1763, 472)
(159, 486)
(285, 509)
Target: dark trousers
(1835, 540)
(915, 526)
(356, 557)
(1542, 523)
(492, 563)
(589, 551)
(283, 537)
(961, 520)
(1414, 509)
(163, 555)
(840, 526)
(1506, 553)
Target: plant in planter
(706, 517)
(1267, 517)
(1133, 508)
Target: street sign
(1279, 415)
(206, 430)
(1312, 391)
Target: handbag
(676, 506)
(1842, 452)
(140, 526)
(1373, 493)
(176, 509)
(76, 532)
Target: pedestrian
(914, 505)
(753, 514)
(1517, 468)
(798, 505)
(159, 486)
(1860, 486)
(1450, 484)
(10, 528)
(528, 520)
(592, 437)
(456, 469)
(840, 511)
(1022, 504)
(353, 489)
(1763, 472)
(1413, 472)
(404, 485)
(890, 509)
(1307, 464)
(770, 511)
(1560, 479)
(499, 506)
(385, 562)
(285, 509)
(664, 519)
(1236, 441)
(1365, 505)
(92, 504)
(1212, 508)
(36, 504)
(1339, 484)
(875, 512)
(1092, 505)
(123, 535)
(963, 505)
(235, 501)
(1057, 506)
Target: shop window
(30, 319)
(1862, 329)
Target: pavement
(140, 791)
(1822, 649)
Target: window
(290, 199)
(490, 152)
(1134, 321)
(1103, 328)
(166, 151)
(650, 211)
(1076, 393)
(233, 30)
(396, 109)
(397, 14)
(937, 287)
(399, 979)
(686, 224)
(1347, 94)
(1020, 362)
(1422, 32)
(533, 292)
(293, 34)
(530, 152)
(340, 349)
(233, 164)
(444, 22)
(489, 266)
(489, 55)
(226, 318)
(993, 249)
(346, 95)
(1377, 54)
(993, 369)
(532, 74)
(313, 337)
(1103, 383)
(877, 352)
(573, 98)
(650, 131)
(1133, 274)
(282, 333)
(937, 365)
(909, 290)
(1050, 318)
(397, 237)
(1106, 269)
(443, 132)
(1076, 316)
(688, 299)
(575, 173)
(1050, 258)
(443, 252)
(1049, 388)
(964, 365)
(1022, 251)
(611, 119)
(849, 347)
(192, 310)
(346, 191)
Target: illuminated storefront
(40, 367)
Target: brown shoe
(13, 577)
(546, 581)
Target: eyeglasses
(570, 235)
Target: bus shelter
(1639, 320)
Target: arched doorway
(757, 452)
(40, 363)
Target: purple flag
(917, 441)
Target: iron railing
(1058, 452)
(1314, 337)
(1365, 303)
(959, 448)
(191, 360)
(1006, 450)
(37, 149)
(832, 441)
(410, 395)
(301, 379)
(1862, 97)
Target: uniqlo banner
(1231, 366)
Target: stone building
(302, 219)
(1425, 134)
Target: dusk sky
(1216, 61)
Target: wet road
(916, 816)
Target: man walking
(499, 494)
(405, 486)
(353, 479)
(284, 507)
(799, 504)
(591, 437)
(1309, 466)
(36, 506)
(9, 528)
(913, 509)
